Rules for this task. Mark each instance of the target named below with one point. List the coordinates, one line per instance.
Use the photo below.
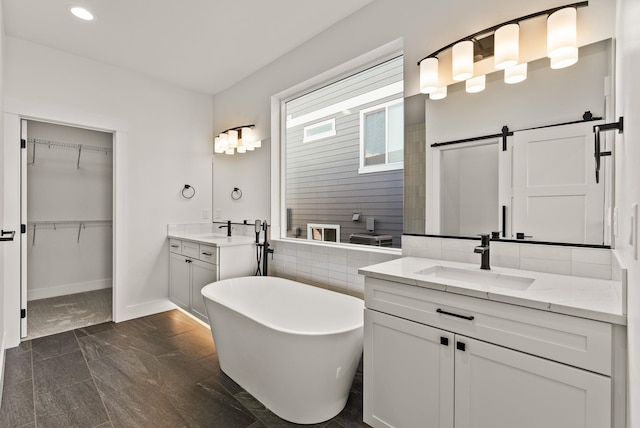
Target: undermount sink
(213, 235)
(473, 277)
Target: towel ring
(236, 194)
(188, 191)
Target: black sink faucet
(228, 226)
(483, 250)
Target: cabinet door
(497, 387)
(408, 373)
(201, 274)
(179, 279)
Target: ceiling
(202, 45)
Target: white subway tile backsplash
(505, 254)
(545, 252)
(463, 245)
(591, 270)
(324, 266)
(461, 256)
(337, 268)
(511, 262)
(591, 255)
(561, 267)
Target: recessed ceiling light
(82, 13)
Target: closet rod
(65, 224)
(67, 146)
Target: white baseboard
(63, 290)
(145, 309)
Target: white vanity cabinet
(193, 265)
(442, 360)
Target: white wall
(163, 141)
(2, 224)
(628, 179)
(60, 260)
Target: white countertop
(583, 297)
(213, 239)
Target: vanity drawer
(571, 340)
(175, 246)
(190, 249)
(208, 254)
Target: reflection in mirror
(468, 195)
(452, 200)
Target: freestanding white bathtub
(294, 347)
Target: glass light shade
(257, 144)
(462, 60)
(241, 149)
(475, 84)
(229, 151)
(569, 58)
(217, 145)
(233, 138)
(221, 143)
(249, 148)
(561, 33)
(438, 94)
(428, 75)
(515, 74)
(506, 46)
(247, 137)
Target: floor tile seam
(55, 356)
(33, 389)
(263, 411)
(104, 405)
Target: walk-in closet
(67, 249)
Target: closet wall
(69, 210)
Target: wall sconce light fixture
(240, 139)
(503, 43)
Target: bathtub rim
(298, 332)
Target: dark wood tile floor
(156, 371)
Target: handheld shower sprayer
(258, 229)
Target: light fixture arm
(238, 128)
(490, 30)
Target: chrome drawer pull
(466, 317)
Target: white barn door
(555, 194)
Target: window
(322, 186)
(382, 137)
(320, 130)
(323, 232)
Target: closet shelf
(65, 224)
(66, 146)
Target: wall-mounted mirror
(536, 184)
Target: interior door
(555, 194)
(23, 222)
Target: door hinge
(23, 228)
(23, 313)
(23, 143)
